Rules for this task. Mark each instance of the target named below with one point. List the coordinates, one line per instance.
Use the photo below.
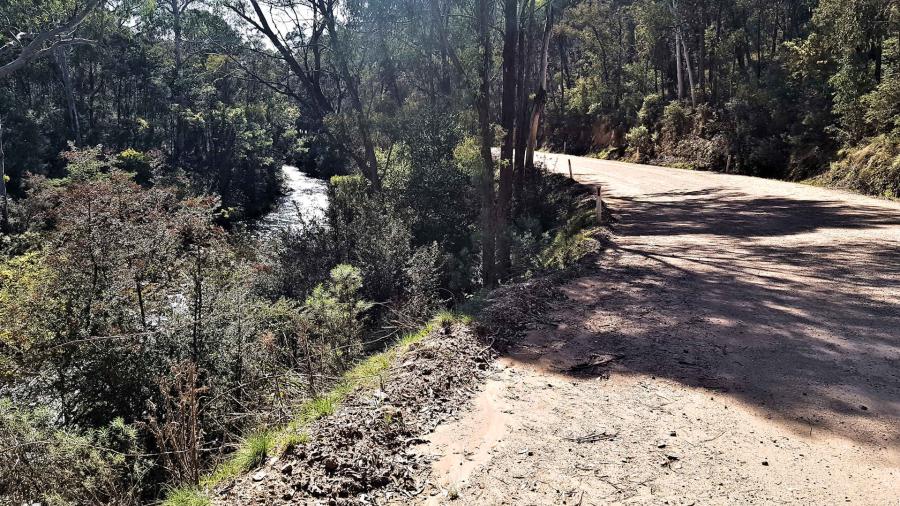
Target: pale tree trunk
(65, 76)
(508, 122)
(177, 9)
(690, 72)
(540, 99)
(679, 73)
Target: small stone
(673, 434)
(260, 475)
(765, 462)
(863, 407)
(287, 468)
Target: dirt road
(738, 344)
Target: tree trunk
(178, 125)
(540, 98)
(369, 164)
(508, 122)
(44, 42)
(66, 78)
(4, 212)
(483, 105)
(680, 75)
(690, 72)
(526, 30)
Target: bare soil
(364, 453)
(737, 343)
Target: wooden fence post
(570, 169)
(601, 218)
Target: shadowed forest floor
(737, 343)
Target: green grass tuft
(251, 454)
(186, 496)
(290, 438)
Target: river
(305, 200)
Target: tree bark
(508, 122)
(66, 78)
(690, 72)
(680, 75)
(540, 98)
(483, 105)
(4, 212)
(370, 163)
(526, 31)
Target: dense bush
(872, 168)
(129, 284)
(43, 463)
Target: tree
(27, 46)
(508, 122)
(309, 71)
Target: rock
(287, 468)
(260, 475)
(765, 462)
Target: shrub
(651, 110)
(640, 142)
(674, 124)
(872, 168)
(334, 311)
(42, 463)
(142, 165)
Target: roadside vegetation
(786, 89)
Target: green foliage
(186, 496)
(334, 310)
(571, 242)
(640, 142)
(42, 463)
(775, 99)
(873, 168)
(142, 165)
(651, 110)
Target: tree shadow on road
(805, 331)
(731, 213)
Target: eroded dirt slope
(738, 343)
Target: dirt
(365, 453)
(738, 342)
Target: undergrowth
(872, 168)
(256, 448)
(572, 242)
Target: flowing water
(305, 200)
